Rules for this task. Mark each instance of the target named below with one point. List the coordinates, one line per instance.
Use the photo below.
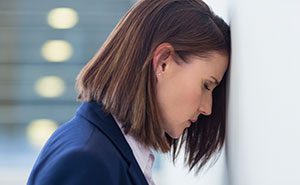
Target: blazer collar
(92, 111)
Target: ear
(161, 57)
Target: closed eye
(206, 87)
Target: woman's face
(185, 91)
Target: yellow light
(39, 131)
(50, 86)
(56, 50)
(62, 18)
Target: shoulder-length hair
(121, 76)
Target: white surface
(220, 7)
(264, 93)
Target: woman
(151, 85)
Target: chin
(175, 135)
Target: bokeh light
(62, 18)
(39, 131)
(50, 86)
(56, 50)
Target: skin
(185, 91)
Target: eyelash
(206, 87)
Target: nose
(205, 107)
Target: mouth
(192, 121)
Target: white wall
(264, 122)
(220, 7)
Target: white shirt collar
(142, 154)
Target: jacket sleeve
(73, 168)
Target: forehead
(211, 56)
(215, 63)
(212, 59)
(218, 59)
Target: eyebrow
(215, 80)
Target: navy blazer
(88, 150)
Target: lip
(193, 121)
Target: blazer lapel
(106, 123)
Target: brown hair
(121, 77)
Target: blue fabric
(88, 150)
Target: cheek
(190, 92)
(191, 100)
(179, 101)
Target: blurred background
(43, 46)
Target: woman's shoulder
(77, 165)
(74, 147)
(80, 135)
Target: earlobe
(163, 66)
